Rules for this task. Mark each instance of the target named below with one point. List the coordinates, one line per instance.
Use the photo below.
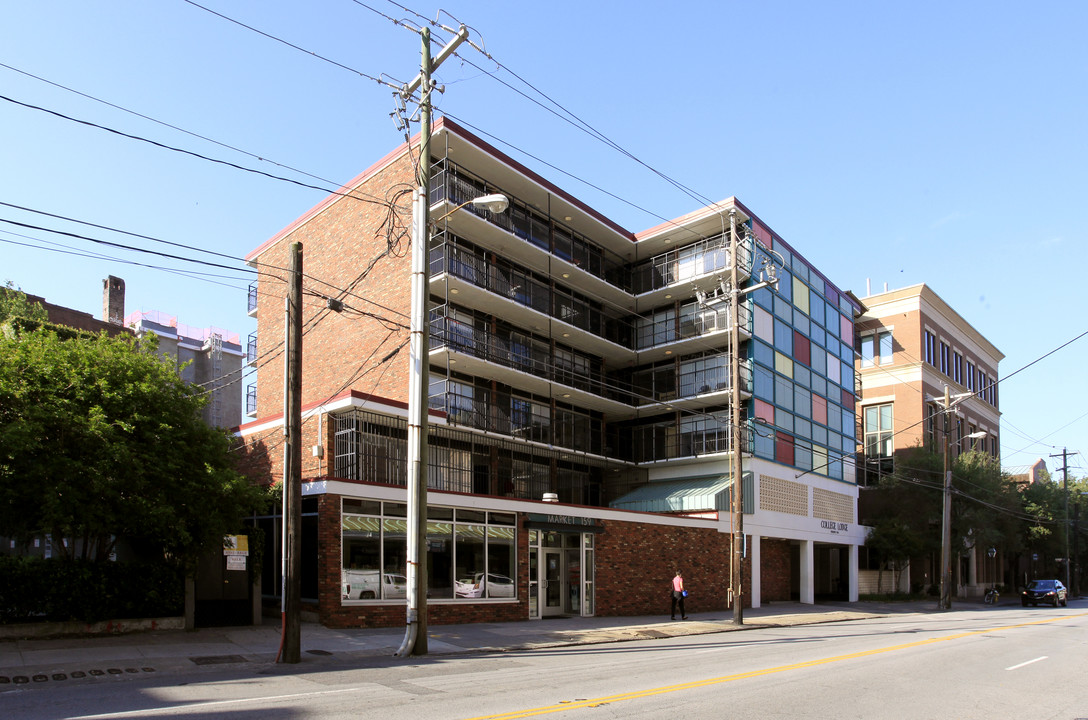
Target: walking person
(678, 595)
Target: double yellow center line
(593, 702)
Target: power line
(191, 153)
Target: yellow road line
(752, 673)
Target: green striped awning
(698, 494)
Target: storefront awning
(688, 495)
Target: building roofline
(442, 124)
(924, 292)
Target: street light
(945, 602)
(415, 642)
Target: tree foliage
(100, 439)
(987, 508)
(14, 304)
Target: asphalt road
(1002, 662)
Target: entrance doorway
(563, 574)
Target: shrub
(34, 589)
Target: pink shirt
(678, 583)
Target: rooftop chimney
(113, 300)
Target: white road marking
(1029, 662)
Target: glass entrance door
(552, 582)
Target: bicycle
(991, 597)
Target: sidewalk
(46, 661)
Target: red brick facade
(774, 574)
(635, 564)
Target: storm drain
(217, 659)
(75, 675)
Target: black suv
(1044, 591)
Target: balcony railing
(664, 327)
(507, 414)
(689, 377)
(251, 400)
(252, 299)
(698, 259)
(450, 183)
(508, 281)
(251, 349)
(526, 353)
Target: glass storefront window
(470, 553)
(440, 573)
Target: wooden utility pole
(292, 472)
(736, 580)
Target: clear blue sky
(929, 142)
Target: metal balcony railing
(450, 183)
(252, 298)
(251, 349)
(509, 281)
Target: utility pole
(290, 648)
(731, 292)
(945, 602)
(1076, 544)
(415, 634)
(736, 574)
(1065, 486)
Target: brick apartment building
(911, 344)
(579, 396)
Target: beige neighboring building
(910, 345)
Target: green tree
(13, 304)
(100, 440)
(987, 509)
(894, 542)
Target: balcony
(525, 298)
(451, 185)
(652, 279)
(251, 400)
(251, 349)
(252, 299)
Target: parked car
(484, 585)
(1045, 591)
(369, 584)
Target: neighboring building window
(885, 339)
(871, 345)
(931, 348)
(867, 350)
(932, 413)
(957, 367)
(878, 442)
(970, 375)
(945, 368)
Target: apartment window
(982, 390)
(957, 367)
(931, 348)
(970, 375)
(945, 368)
